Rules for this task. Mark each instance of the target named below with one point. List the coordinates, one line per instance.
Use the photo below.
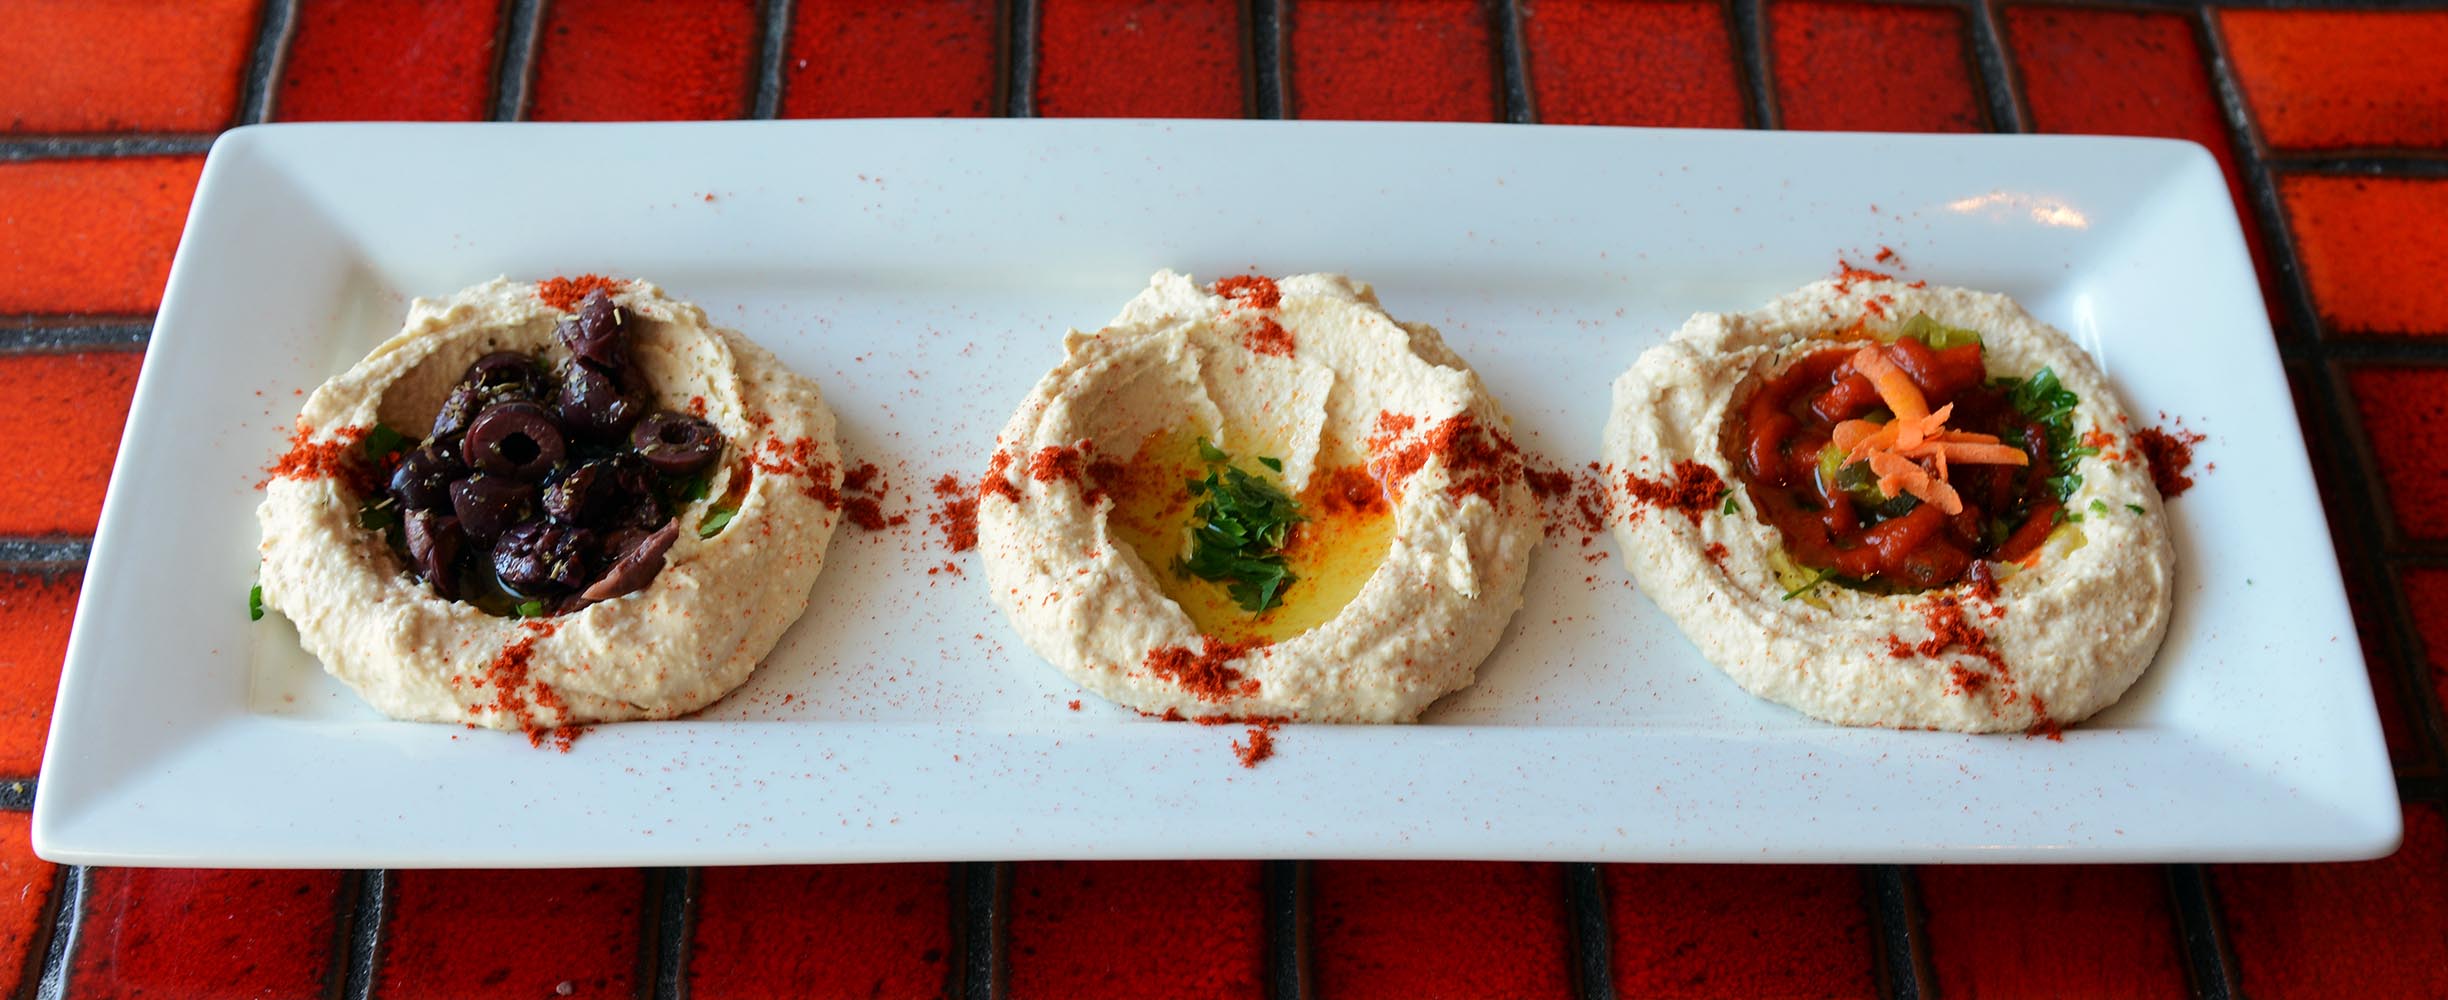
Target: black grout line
(2423, 788)
(1266, 31)
(64, 147)
(1593, 939)
(272, 36)
(984, 905)
(17, 795)
(1520, 102)
(2424, 166)
(673, 928)
(522, 24)
(1751, 55)
(366, 924)
(1020, 76)
(344, 918)
(2208, 964)
(43, 555)
(1285, 886)
(1903, 961)
(2009, 111)
(2403, 641)
(31, 336)
(2422, 350)
(773, 47)
(2277, 235)
(69, 916)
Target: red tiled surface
(1398, 60)
(1122, 59)
(90, 236)
(35, 612)
(2002, 932)
(381, 60)
(1632, 62)
(629, 60)
(2373, 929)
(1872, 67)
(1706, 931)
(533, 931)
(848, 930)
(25, 888)
(174, 932)
(2426, 593)
(919, 58)
(1132, 929)
(2328, 80)
(1398, 930)
(2372, 249)
(2405, 413)
(55, 484)
(122, 65)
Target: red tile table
(2331, 121)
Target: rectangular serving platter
(924, 272)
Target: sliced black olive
(434, 541)
(593, 404)
(598, 333)
(518, 440)
(422, 481)
(636, 561)
(539, 556)
(676, 444)
(489, 505)
(502, 369)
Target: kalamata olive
(593, 494)
(433, 549)
(598, 333)
(636, 559)
(457, 409)
(422, 481)
(676, 444)
(593, 404)
(489, 505)
(518, 440)
(506, 368)
(534, 557)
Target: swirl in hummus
(743, 550)
(1260, 499)
(1886, 504)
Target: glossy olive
(434, 541)
(488, 505)
(593, 404)
(676, 444)
(518, 440)
(537, 557)
(422, 481)
(598, 333)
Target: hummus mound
(2051, 644)
(688, 638)
(1309, 371)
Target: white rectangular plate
(924, 272)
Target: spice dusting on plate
(2170, 456)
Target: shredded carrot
(1896, 448)
(1970, 452)
(1894, 387)
(1899, 474)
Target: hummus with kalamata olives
(1885, 504)
(1259, 499)
(528, 514)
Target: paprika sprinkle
(564, 293)
(2170, 456)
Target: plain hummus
(1308, 370)
(689, 637)
(2069, 634)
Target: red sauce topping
(1783, 427)
(342, 457)
(564, 293)
(1205, 672)
(956, 515)
(1260, 747)
(1694, 490)
(2170, 457)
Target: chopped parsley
(529, 609)
(378, 515)
(2046, 402)
(2135, 507)
(715, 521)
(1239, 530)
(382, 442)
(1729, 504)
(255, 603)
(2099, 506)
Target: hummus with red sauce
(1924, 508)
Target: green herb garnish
(1818, 577)
(2046, 402)
(1239, 530)
(378, 515)
(1729, 504)
(2099, 506)
(715, 521)
(1272, 463)
(382, 442)
(529, 609)
(255, 603)
(1937, 335)
(2135, 507)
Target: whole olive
(434, 541)
(489, 505)
(535, 557)
(593, 404)
(592, 494)
(518, 440)
(422, 481)
(635, 559)
(676, 444)
(598, 333)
